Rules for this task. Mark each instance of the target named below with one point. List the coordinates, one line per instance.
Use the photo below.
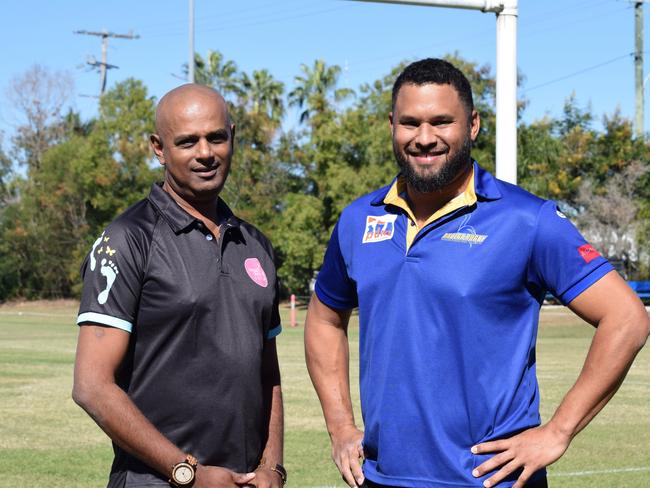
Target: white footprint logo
(93, 261)
(110, 272)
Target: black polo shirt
(199, 310)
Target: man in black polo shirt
(176, 359)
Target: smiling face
(194, 141)
(432, 135)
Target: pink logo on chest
(255, 272)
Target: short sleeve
(561, 260)
(112, 279)
(334, 287)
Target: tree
(39, 97)
(219, 74)
(610, 219)
(126, 119)
(262, 97)
(316, 90)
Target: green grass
(47, 441)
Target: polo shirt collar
(177, 218)
(485, 186)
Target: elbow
(641, 327)
(83, 393)
(646, 330)
(79, 395)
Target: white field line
(600, 471)
(39, 314)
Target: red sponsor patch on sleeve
(588, 253)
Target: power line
(576, 73)
(253, 22)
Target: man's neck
(424, 205)
(205, 211)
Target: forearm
(327, 356)
(122, 421)
(616, 343)
(274, 448)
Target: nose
(426, 137)
(203, 150)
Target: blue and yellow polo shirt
(448, 319)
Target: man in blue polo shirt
(176, 358)
(449, 267)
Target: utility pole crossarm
(103, 66)
(107, 34)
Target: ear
(475, 125)
(390, 122)
(157, 145)
(232, 137)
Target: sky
(564, 46)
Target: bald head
(194, 141)
(187, 99)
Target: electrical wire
(576, 73)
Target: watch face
(183, 474)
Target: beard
(438, 180)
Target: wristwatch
(183, 473)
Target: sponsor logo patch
(255, 272)
(588, 253)
(379, 228)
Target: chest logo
(379, 228)
(255, 272)
(466, 234)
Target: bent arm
(100, 351)
(327, 356)
(623, 326)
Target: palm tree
(220, 75)
(315, 87)
(262, 96)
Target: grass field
(47, 441)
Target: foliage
(79, 185)
(610, 218)
(78, 175)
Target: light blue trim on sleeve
(274, 332)
(100, 318)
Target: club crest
(255, 272)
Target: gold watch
(184, 473)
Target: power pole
(190, 62)
(638, 68)
(103, 66)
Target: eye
(217, 139)
(185, 143)
(410, 123)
